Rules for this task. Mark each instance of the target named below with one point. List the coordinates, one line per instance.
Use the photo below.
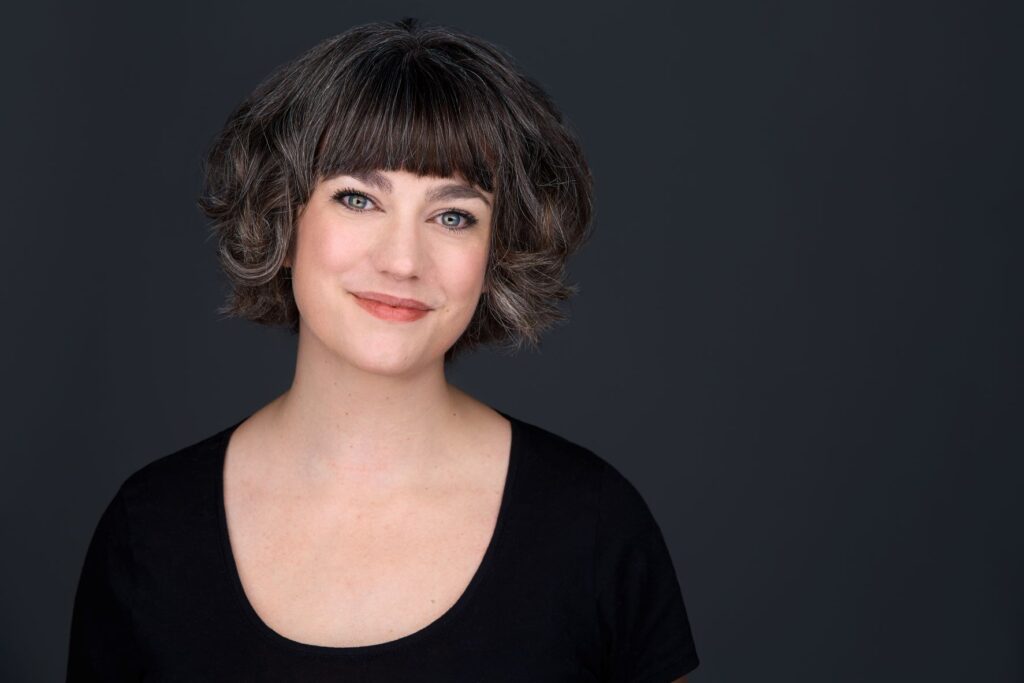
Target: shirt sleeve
(643, 620)
(103, 645)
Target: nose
(398, 249)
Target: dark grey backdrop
(799, 331)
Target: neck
(344, 426)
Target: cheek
(336, 250)
(463, 270)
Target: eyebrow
(449, 191)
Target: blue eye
(456, 220)
(452, 219)
(351, 199)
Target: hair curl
(426, 99)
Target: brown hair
(426, 99)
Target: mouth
(394, 301)
(408, 310)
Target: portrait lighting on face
(434, 104)
(389, 267)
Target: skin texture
(371, 471)
(370, 400)
(398, 244)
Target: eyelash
(470, 219)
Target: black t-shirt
(576, 584)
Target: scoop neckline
(484, 569)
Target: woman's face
(397, 234)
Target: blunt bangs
(413, 112)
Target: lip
(393, 300)
(385, 311)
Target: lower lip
(386, 312)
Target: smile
(385, 311)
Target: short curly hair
(409, 96)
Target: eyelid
(336, 196)
(469, 218)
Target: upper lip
(393, 300)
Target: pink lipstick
(387, 307)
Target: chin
(388, 366)
(391, 360)
(389, 351)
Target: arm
(102, 645)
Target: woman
(396, 196)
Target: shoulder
(158, 505)
(579, 470)
(172, 480)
